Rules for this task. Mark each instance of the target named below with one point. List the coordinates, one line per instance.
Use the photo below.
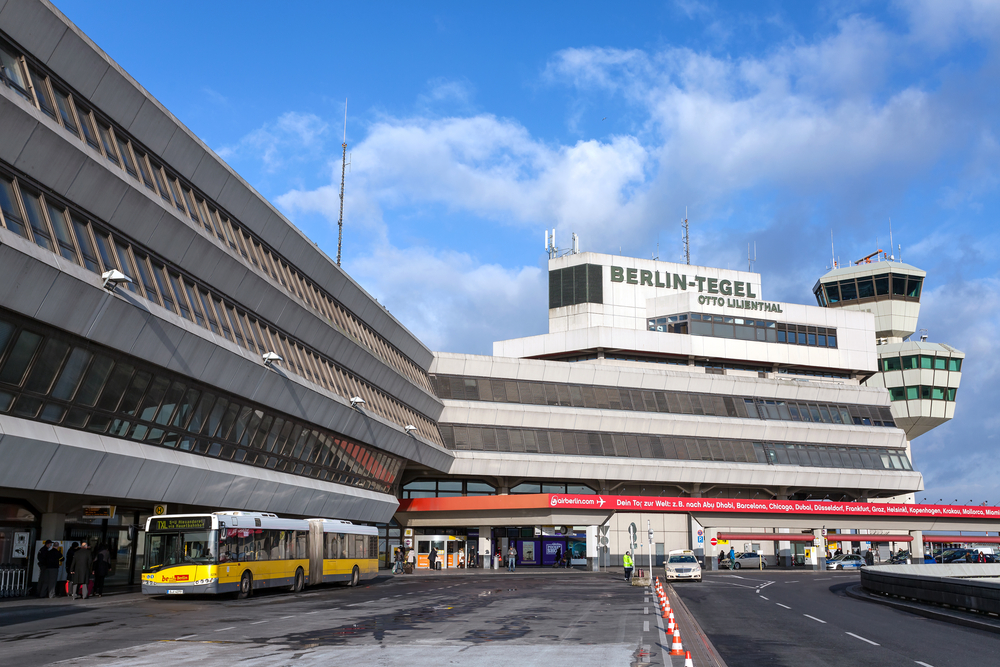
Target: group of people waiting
(86, 569)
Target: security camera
(410, 427)
(113, 278)
(270, 358)
(356, 401)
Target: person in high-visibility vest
(628, 565)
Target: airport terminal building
(170, 342)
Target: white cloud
(292, 137)
(452, 302)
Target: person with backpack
(102, 566)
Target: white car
(682, 564)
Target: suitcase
(408, 569)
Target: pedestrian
(461, 558)
(73, 548)
(558, 557)
(732, 558)
(627, 561)
(48, 569)
(432, 557)
(102, 565)
(511, 557)
(83, 563)
(869, 558)
(411, 558)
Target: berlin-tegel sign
(655, 504)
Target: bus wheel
(300, 581)
(355, 576)
(246, 586)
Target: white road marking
(792, 582)
(313, 612)
(823, 579)
(863, 639)
(231, 627)
(254, 623)
(645, 610)
(284, 617)
(764, 598)
(782, 605)
(645, 626)
(923, 663)
(645, 599)
(818, 620)
(185, 637)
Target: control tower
(922, 377)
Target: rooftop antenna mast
(343, 171)
(751, 260)
(687, 239)
(890, 239)
(833, 253)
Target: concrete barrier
(966, 585)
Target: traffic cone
(665, 608)
(671, 623)
(687, 660)
(676, 648)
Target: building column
(917, 546)
(53, 526)
(785, 557)
(711, 562)
(485, 547)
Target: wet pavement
(527, 618)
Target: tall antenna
(751, 260)
(890, 238)
(833, 258)
(343, 171)
(687, 239)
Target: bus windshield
(187, 548)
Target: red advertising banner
(800, 507)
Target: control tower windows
(864, 288)
(914, 361)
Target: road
(525, 619)
(778, 618)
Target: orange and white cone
(671, 623)
(688, 662)
(666, 608)
(676, 648)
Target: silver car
(682, 564)
(749, 561)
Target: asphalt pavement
(792, 618)
(528, 619)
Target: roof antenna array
(553, 250)
(343, 171)
(751, 260)
(686, 237)
(891, 258)
(833, 253)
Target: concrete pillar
(917, 546)
(485, 546)
(785, 556)
(53, 526)
(593, 548)
(711, 562)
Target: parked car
(899, 558)
(749, 560)
(845, 562)
(682, 564)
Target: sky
(471, 129)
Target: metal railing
(13, 581)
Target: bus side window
(247, 550)
(229, 546)
(343, 545)
(328, 545)
(359, 546)
(302, 548)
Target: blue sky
(472, 129)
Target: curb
(859, 593)
(709, 655)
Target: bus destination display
(182, 523)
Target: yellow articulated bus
(239, 552)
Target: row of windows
(921, 361)
(85, 124)
(582, 283)
(922, 393)
(647, 400)
(260, 544)
(53, 225)
(888, 285)
(579, 443)
(741, 328)
(447, 488)
(60, 379)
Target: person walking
(432, 557)
(102, 566)
(83, 563)
(411, 559)
(627, 562)
(511, 557)
(869, 558)
(732, 558)
(48, 569)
